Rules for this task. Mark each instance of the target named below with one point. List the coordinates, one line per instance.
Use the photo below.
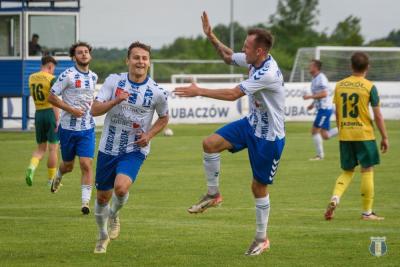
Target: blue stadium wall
(14, 75)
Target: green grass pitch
(38, 228)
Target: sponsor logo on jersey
(148, 96)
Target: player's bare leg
(119, 198)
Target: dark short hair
(359, 61)
(263, 37)
(35, 35)
(317, 63)
(140, 45)
(74, 46)
(48, 59)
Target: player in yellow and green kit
(46, 118)
(352, 98)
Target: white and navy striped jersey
(124, 121)
(77, 90)
(266, 92)
(320, 83)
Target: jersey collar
(138, 84)
(262, 64)
(84, 73)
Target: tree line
(292, 25)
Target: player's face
(250, 50)
(138, 61)
(82, 56)
(312, 68)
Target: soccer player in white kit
(76, 85)
(320, 93)
(261, 131)
(129, 99)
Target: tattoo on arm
(222, 50)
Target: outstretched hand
(206, 24)
(187, 91)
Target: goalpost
(384, 62)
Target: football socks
(51, 172)
(262, 214)
(117, 203)
(367, 191)
(212, 164)
(101, 212)
(342, 183)
(317, 138)
(86, 193)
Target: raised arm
(224, 52)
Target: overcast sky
(107, 23)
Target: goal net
(384, 62)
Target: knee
(324, 135)
(209, 146)
(53, 149)
(102, 199)
(120, 191)
(259, 190)
(67, 167)
(86, 167)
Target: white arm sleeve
(239, 59)
(107, 89)
(322, 84)
(61, 83)
(256, 83)
(162, 103)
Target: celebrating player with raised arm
(261, 131)
(129, 99)
(76, 85)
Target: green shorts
(45, 125)
(353, 153)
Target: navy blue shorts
(322, 120)
(264, 155)
(108, 166)
(77, 143)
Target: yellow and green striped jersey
(352, 98)
(40, 84)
